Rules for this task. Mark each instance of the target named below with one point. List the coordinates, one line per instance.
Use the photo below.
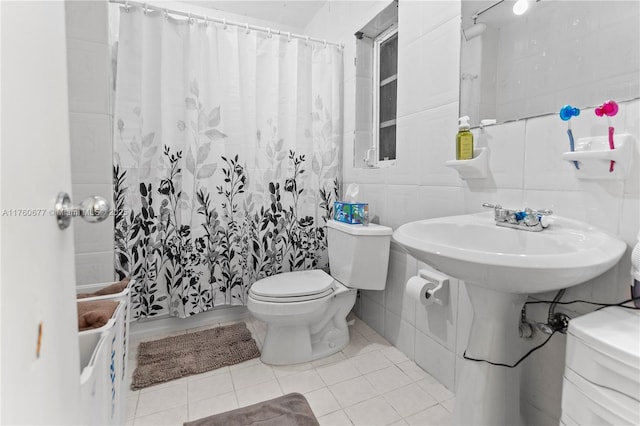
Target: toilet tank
(359, 255)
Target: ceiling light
(520, 7)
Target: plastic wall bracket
(476, 168)
(594, 157)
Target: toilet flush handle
(92, 209)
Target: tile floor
(370, 382)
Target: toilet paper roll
(421, 290)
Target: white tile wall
(435, 359)
(425, 82)
(401, 268)
(89, 65)
(525, 170)
(372, 313)
(93, 237)
(599, 206)
(399, 332)
(96, 267)
(418, 18)
(438, 201)
(401, 201)
(478, 192)
(349, 110)
(87, 21)
(91, 158)
(422, 149)
(506, 153)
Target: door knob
(92, 209)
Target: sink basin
(500, 267)
(472, 248)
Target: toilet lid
(293, 284)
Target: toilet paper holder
(439, 293)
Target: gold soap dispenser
(464, 140)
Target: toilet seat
(296, 286)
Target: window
(385, 92)
(376, 90)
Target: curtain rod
(146, 7)
(486, 9)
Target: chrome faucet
(527, 219)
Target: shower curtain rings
(325, 43)
(289, 37)
(246, 28)
(190, 19)
(166, 13)
(306, 41)
(144, 9)
(126, 6)
(268, 32)
(224, 23)
(206, 21)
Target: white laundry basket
(101, 390)
(125, 297)
(113, 379)
(94, 377)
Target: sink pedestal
(488, 394)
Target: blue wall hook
(567, 111)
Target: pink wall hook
(609, 108)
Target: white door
(40, 361)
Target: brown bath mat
(287, 410)
(193, 353)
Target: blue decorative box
(352, 213)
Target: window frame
(377, 42)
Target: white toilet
(306, 311)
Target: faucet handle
(492, 206)
(500, 214)
(534, 217)
(544, 212)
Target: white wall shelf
(476, 168)
(594, 157)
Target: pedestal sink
(500, 267)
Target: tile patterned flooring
(370, 382)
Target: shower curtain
(227, 151)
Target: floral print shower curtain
(227, 154)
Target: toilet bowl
(305, 311)
(302, 327)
